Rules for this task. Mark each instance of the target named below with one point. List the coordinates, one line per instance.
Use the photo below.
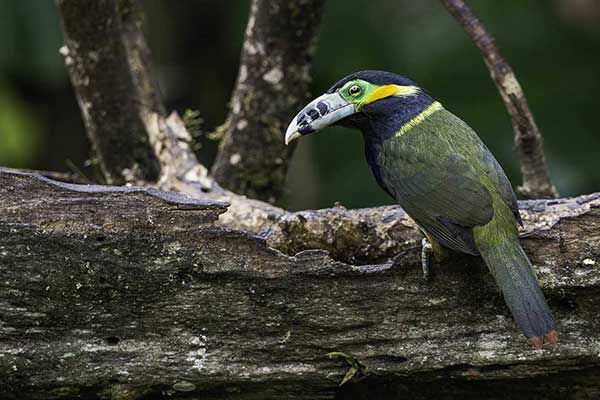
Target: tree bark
(528, 138)
(128, 292)
(272, 84)
(113, 100)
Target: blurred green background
(552, 45)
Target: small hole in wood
(112, 340)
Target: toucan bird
(443, 176)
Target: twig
(528, 138)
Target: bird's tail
(515, 276)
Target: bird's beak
(322, 112)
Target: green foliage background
(552, 45)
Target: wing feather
(446, 201)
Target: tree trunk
(128, 292)
(273, 84)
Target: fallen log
(128, 292)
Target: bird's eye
(354, 90)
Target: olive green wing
(443, 194)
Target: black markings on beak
(323, 107)
(305, 129)
(309, 116)
(302, 119)
(313, 113)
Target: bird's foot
(426, 250)
(550, 337)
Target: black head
(391, 111)
(377, 102)
(375, 77)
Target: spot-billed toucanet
(442, 175)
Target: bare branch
(180, 169)
(133, 292)
(112, 102)
(279, 44)
(272, 85)
(528, 138)
(168, 138)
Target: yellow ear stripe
(391, 90)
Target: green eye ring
(355, 91)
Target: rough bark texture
(114, 97)
(133, 293)
(272, 85)
(528, 138)
(182, 172)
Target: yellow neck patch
(435, 106)
(390, 90)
